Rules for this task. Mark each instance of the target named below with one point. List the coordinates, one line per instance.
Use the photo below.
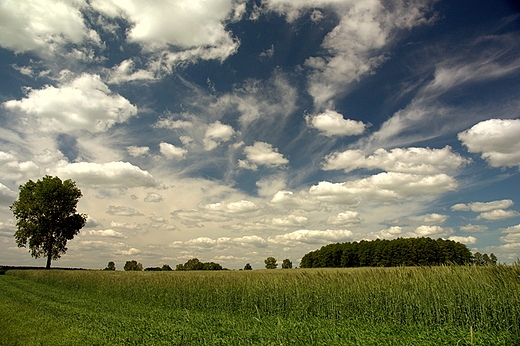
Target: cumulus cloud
(207, 243)
(264, 154)
(383, 187)
(85, 103)
(107, 233)
(153, 197)
(345, 218)
(498, 214)
(123, 211)
(178, 31)
(473, 228)
(42, 26)
(479, 207)
(112, 174)
(407, 160)
(138, 151)
(311, 237)
(496, 140)
(330, 123)
(433, 231)
(215, 212)
(217, 133)
(390, 232)
(172, 152)
(512, 236)
(464, 240)
(290, 200)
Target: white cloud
(498, 214)
(138, 151)
(479, 207)
(434, 218)
(42, 26)
(112, 174)
(85, 103)
(123, 211)
(356, 46)
(172, 152)
(345, 218)
(464, 240)
(182, 30)
(169, 122)
(407, 160)
(496, 140)
(216, 212)
(330, 123)
(126, 72)
(217, 133)
(473, 228)
(433, 231)
(130, 252)
(390, 232)
(107, 233)
(383, 187)
(311, 237)
(262, 153)
(270, 185)
(153, 197)
(7, 196)
(289, 200)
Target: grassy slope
(258, 308)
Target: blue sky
(233, 130)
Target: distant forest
(389, 253)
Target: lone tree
(47, 217)
(286, 264)
(270, 263)
(133, 266)
(111, 266)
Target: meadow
(445, 305)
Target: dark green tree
(166, 267)
(248, 267)
(111, 266)
(47, 217)
(286, 264)
(270, 263)
(133, 266)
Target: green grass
(363, 306)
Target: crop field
(449, 305)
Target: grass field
(363, 306)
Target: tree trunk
(49, 259)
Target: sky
(232, 130)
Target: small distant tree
(286, 264)
(133, 266)
(179, 266)
(166, 267)
(248, 267)
(110, 266)
(270, 263)
(46, 216)
(493, 259)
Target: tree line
(389, 253)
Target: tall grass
(481, 298)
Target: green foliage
(286, 264)
(446, 305)
(110, 266)
(166, 267)
(133, 266)
(388, 253)
(195, 264)
(46, 216)
(484, 260)
(270, 263)
(153, 269)
(248, 267)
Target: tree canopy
(388, 253)
(270, 263)
(195, 264)
(46, 216)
